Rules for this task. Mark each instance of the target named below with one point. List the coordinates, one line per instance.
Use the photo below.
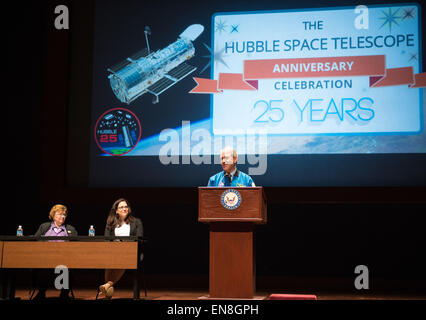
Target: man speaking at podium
(230, 176)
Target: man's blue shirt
(240, 179)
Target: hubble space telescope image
(154, 72)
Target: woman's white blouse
(123, 230)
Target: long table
(80, 252)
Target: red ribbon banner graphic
(373, 66)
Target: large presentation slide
(312, 72)
(172, 87)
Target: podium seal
(231, 199)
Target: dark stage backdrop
(311, 231)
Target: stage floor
(188, 294)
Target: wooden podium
(232, 213)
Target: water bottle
(91, 231)
(20, 231)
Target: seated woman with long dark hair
(120, 222)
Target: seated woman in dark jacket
(56, 227)
(120, 222)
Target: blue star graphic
(234, 28)
(390, 18)
(408, 13)
(413, 56)
(221, 26)
(217, 57)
